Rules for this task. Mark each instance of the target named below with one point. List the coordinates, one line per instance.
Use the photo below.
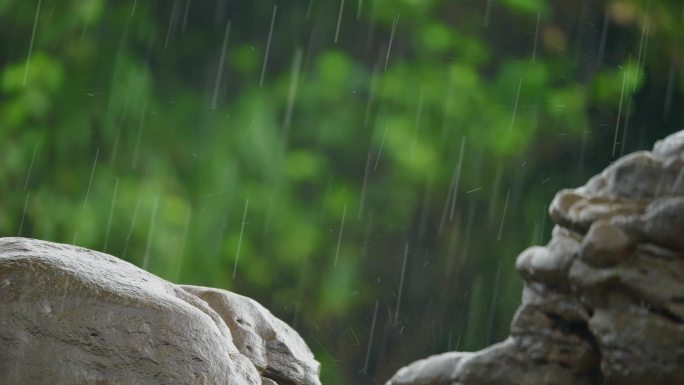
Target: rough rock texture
(73, 316)
(277, 351)
(604, 300)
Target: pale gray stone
(74, 316)
(278, 352)
(670, 147)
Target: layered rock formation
(73, 316)
(604, 300)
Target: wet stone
(69, 316)
(603, 302)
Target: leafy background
(371, 183)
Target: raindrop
(488, 10)
(401, 284)
(172, 23)
(339, 237)
(242, 231)
(268, 45)
(536, 37)
(515, 106)
(628, 112)
(395, 21)
(643, 45)
(602, 44)
(382, 143)
(308, 9)
(23, 215)
(150, 231)
(92, 173)
(185, 15)
(28, 175)
(292, 95)
(619, 115)
(339, 21)
(370, 338)
(33, 36)
(503, 216)
(130, 229)
(453, 187)
(219, 69)
(457, 179)
(111, 213)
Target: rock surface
(73, 316)
(604, 300)
(276, 350)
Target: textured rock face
(69, 315)
(277, 351)
(604, 301)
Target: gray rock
(604, 300)
(73, 316)
(638, 345)
(500, 364)
(550, 264)
(606, 245)
(670, 147)
(278, 352)
(438, 369)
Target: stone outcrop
(73, 316)
(603, 301)
(276, 350)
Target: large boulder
(603, 301)
(73, 316)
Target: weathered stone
(576, 212)
(670, 147)
(649, 281)
(544, 336)
(556, 301)
(661, 223)
(278, 352)
(635, 176)
(606, 245)
(73, 316)
(439, 369)
(550, 264)
(603, 302)
(638, 346)
(500, 364)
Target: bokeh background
(366, 169)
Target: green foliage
(444, 127)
